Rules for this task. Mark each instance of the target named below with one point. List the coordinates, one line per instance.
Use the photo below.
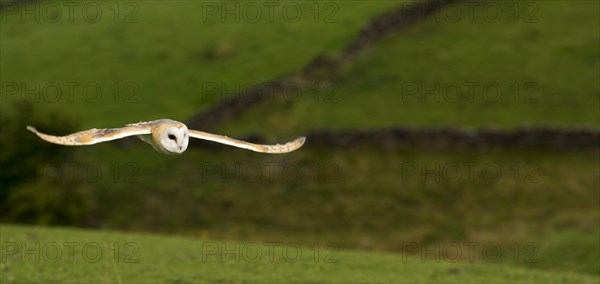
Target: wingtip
(31, 128)
(298, 143)
(301, 140)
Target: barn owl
(165, 135)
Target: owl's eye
(171, 136)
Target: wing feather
(93, 136)
(272, 149)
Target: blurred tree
(23, 154)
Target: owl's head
(174, 139)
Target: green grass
(372, 202)
(367, 199)
(168, 53)
(125, 258)
(547, 73)
(174, 57)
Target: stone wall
(376, 29)
(443, 138)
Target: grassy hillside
(364, 199)
(144, 54)
(538, 64)
(99, 256)
(367, 199)
(520, 69)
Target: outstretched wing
(93, 136)
(272, 149)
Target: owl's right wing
(93, 136)
(272, 149)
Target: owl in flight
(165, 135)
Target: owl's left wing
(93, 136)
(272, 149)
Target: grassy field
(520, 69)
(366, 199)
(526, 63)
(368, 202)
(142, 55)
(42, 255)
